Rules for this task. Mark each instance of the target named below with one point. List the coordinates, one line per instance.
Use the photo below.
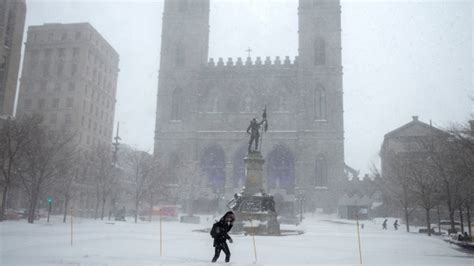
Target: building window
(60, 68)
(69, 102)
(180, 55)
(67, 118)
(53, 119)
(321, 174)
(61, 53)
(34, 59)
(319, 51)
(55, 103)
(73, 69)
(43, 86)
(247, 106)
(176, 105)
(75, 52)
(9, 29)
(3, 63)
(57, 87)
(41, 104)
(46, 68)
(72, 86)
(63, 36)
(320, 104)
(78, 35)
(47, 53)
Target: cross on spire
(248, 51)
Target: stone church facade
(205, 105)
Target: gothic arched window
(319, 51)
(180, 55)
(247, 106)
(213, 164)
(281, 168)
(239, 167)
(320, 104)
(177, 105)
(321, 172)
(173, 168)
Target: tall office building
(69, 76)
(12, 23)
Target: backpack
(215, 230)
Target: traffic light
(50, 199)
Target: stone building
(407, 141)
(69, 76)
(205, 105)
(12, 23)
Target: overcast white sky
(400, 58)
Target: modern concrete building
(12, 23)
(205, 105)
(70, 77)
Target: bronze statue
(254, 130)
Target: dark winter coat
(220, 230)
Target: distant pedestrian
(220, 234)
(395, 225)
(384, 225)
(466, 237)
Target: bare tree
(396, 186)
(423, 185)
(102, 168)
(463, 141)
(156, 187)
(70, 169)
(143, 167)
(14, 136)
(40, 161)
(441, 153)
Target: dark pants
(221, 246)
(254, 139)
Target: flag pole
(72, 217)
(253, 240)
(264, 118)
(358, 238)
(161, 234)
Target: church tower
(319, 27)
(184, 49)
(320, 118)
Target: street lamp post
(50, 203)
(300, 199)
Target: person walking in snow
(384, 225)
(395, 225)
(220, 233)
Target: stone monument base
(254, 209)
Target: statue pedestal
(253, 173)
(254, 209)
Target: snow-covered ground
(326, 241)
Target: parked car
(15, 214)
